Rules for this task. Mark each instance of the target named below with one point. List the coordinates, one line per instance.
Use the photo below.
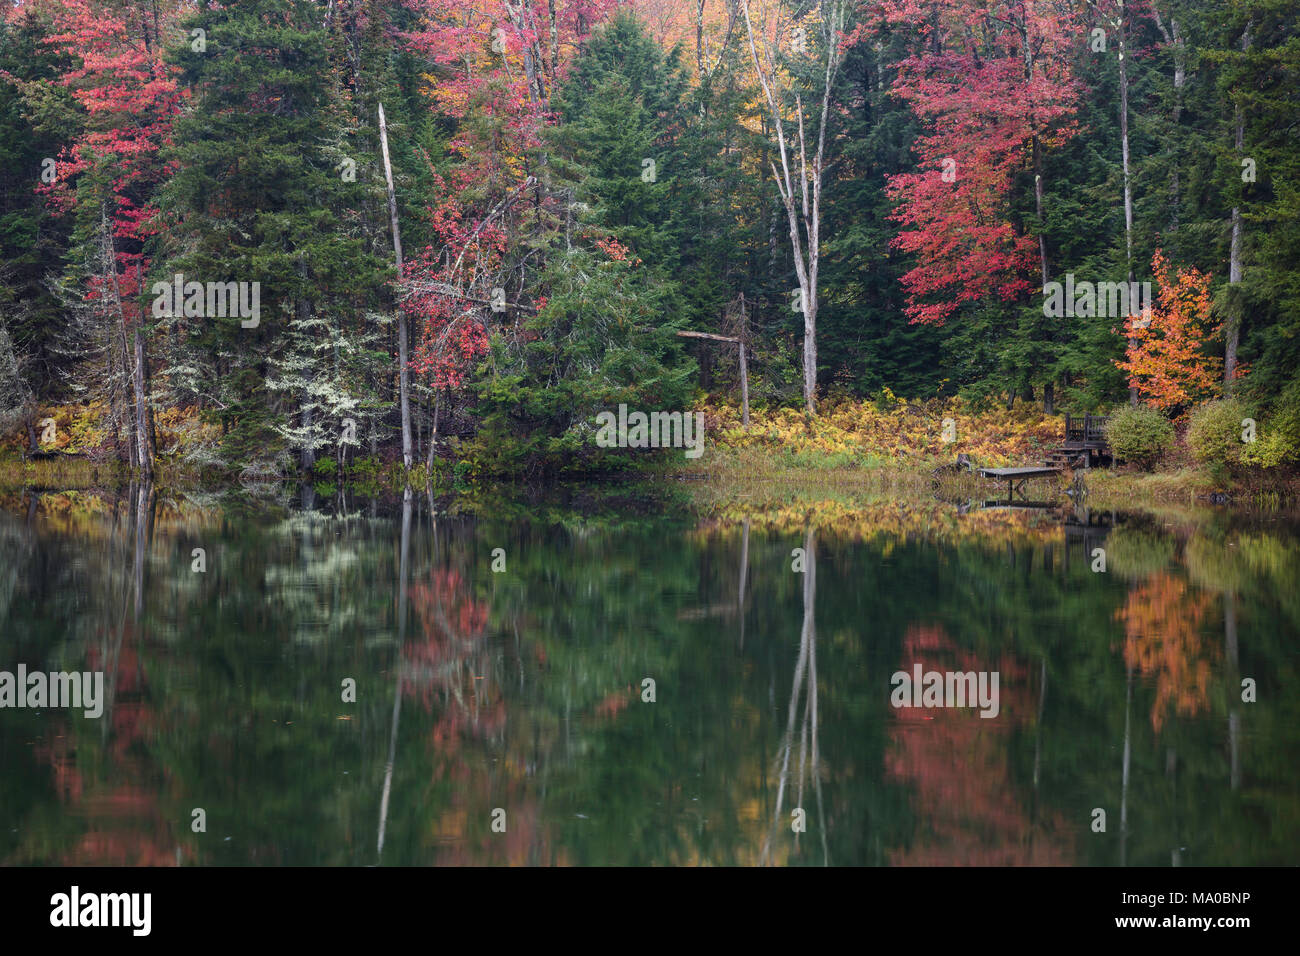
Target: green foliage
(606, 335)
(1139, 434)
(601, 341)
(1214, 432)
(283, 95)
(1278, 436)
(256, 198)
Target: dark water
(521, 690)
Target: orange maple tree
(1167, 361)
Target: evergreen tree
(262, 195)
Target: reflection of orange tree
(956, 761)
(1162, 639)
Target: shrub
(1278, 441)
(1141, 435)
(1214, 435)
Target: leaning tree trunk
(403, 375)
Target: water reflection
(229, 631)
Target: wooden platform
(1016, 477)
(1085, 443)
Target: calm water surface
(517, 695)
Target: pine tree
(262, 194)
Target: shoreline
(733, 479)
(852, 448)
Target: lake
(615, 678)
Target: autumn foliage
(1162, 622)
(958, 769)
(992, 87)
(130, 98)
(1167, 360)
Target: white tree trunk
(403, 376)
(802, 201)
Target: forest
(275, 237)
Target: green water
(522, 690)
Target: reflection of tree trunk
(1171, 769)
(1038, 740)
(1234, 686)
(815, 769)
(139, 517)
(403, 565)
(1038, 734)
(1123, 791)
(805, 681)
(744, 573)
(143, 524)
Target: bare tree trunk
(1123, 138)
(1232, 329)
(1044, 270)
(802, 200)
(143, 424)
(402, 345)
(1121, 27)
(1174, 40)
(132, 368)
(1038, 210)
(433, 432)
(303, 309)
(699, 39)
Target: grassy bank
(850, 449)
(862, 448)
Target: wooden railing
(1090, 428)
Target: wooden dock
(1016, 477)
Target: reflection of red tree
(615, 703)
(124, 825)
(1162, 638)
(956, 762)
(451, 620)
(449, 660)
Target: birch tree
(800, 177)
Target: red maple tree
(993, 86)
